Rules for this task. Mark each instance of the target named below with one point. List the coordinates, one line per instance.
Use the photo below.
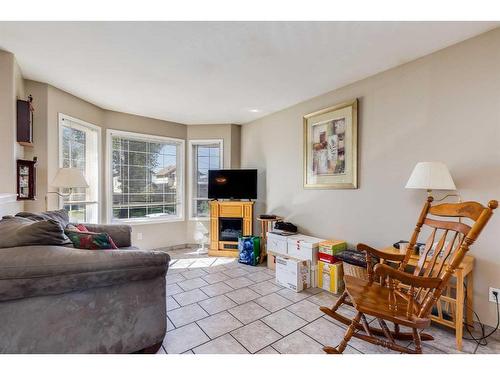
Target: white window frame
(82, 125)
(109, 178)
(191, 143)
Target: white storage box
(293, 274)
(304, 247)
(277, 244)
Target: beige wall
(230, 135)
(445, 107)
(11, 89)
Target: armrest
(384, 270)
(380, 254)
(120, 233)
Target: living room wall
(11, 89)
(442, 107)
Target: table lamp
(431, 176)
(68, 178)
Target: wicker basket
(356, 271)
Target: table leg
(459, 304)
(469, 315)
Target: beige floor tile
(217, 304)
(268, 350)
(265, 287)
(187, 298)
(175, 278)
(225, 344)
(213, 278)
(187, 314)
(192, 283)
(248, 312)
(173, 289)
(214, 269)
(325, 332)
(194, 273)
(294, 296)
(324, 299)
(171, 304)
(238, 282)
(242, 295)
(273, 302)
(219, 324)
(255, 336)
(184, 338)
(284, 322)
(306, 310)
(298, 343)
(259, 276)
(235, 272)
(170, 325)
(216, 289)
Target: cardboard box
(293, 274)
(331, 277)
(304, 247)
(277, 243)
(327, 258)
(271, 261)
(332, 247)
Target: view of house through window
(205, 155)
(146, 176)
(79, 148)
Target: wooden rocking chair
(406, 298)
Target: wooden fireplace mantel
(228, 209)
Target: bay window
(203, 156)
(146, 177)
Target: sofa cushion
(58, 215)
(45, 270)
(19, 231)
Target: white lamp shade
(69, 178)
(431, 176)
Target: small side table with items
(450, 307)
(266, 225)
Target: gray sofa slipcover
(57, 299)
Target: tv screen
(232, 184)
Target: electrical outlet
(492, 296)
(139, 236)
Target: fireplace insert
(230, 229)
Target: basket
(355, 271)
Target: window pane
(144, 178)
(205, 158)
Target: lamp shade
(69, 178)
(431, 176)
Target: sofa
(58, 299)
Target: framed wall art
(331, 147)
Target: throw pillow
(58, 215)
(19, 231)
(90, 240)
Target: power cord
(481, 341)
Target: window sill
(147, 221)
(199, 218)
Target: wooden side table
(266, 225)
(454, 303)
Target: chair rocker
(406, 297)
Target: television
(232, 184)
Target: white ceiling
(217, 72)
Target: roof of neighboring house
(166, 171)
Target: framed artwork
(331, 147)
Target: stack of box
(330, 271)
(331, 277)
(328, 249)
(277, 244)
(292, 273)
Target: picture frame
(331, 147)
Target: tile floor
(218, 306)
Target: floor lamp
(67, 178)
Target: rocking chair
(405, 298)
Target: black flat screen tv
(232, 184)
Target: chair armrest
(120, 233)
(383, 270)
(380, 254)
